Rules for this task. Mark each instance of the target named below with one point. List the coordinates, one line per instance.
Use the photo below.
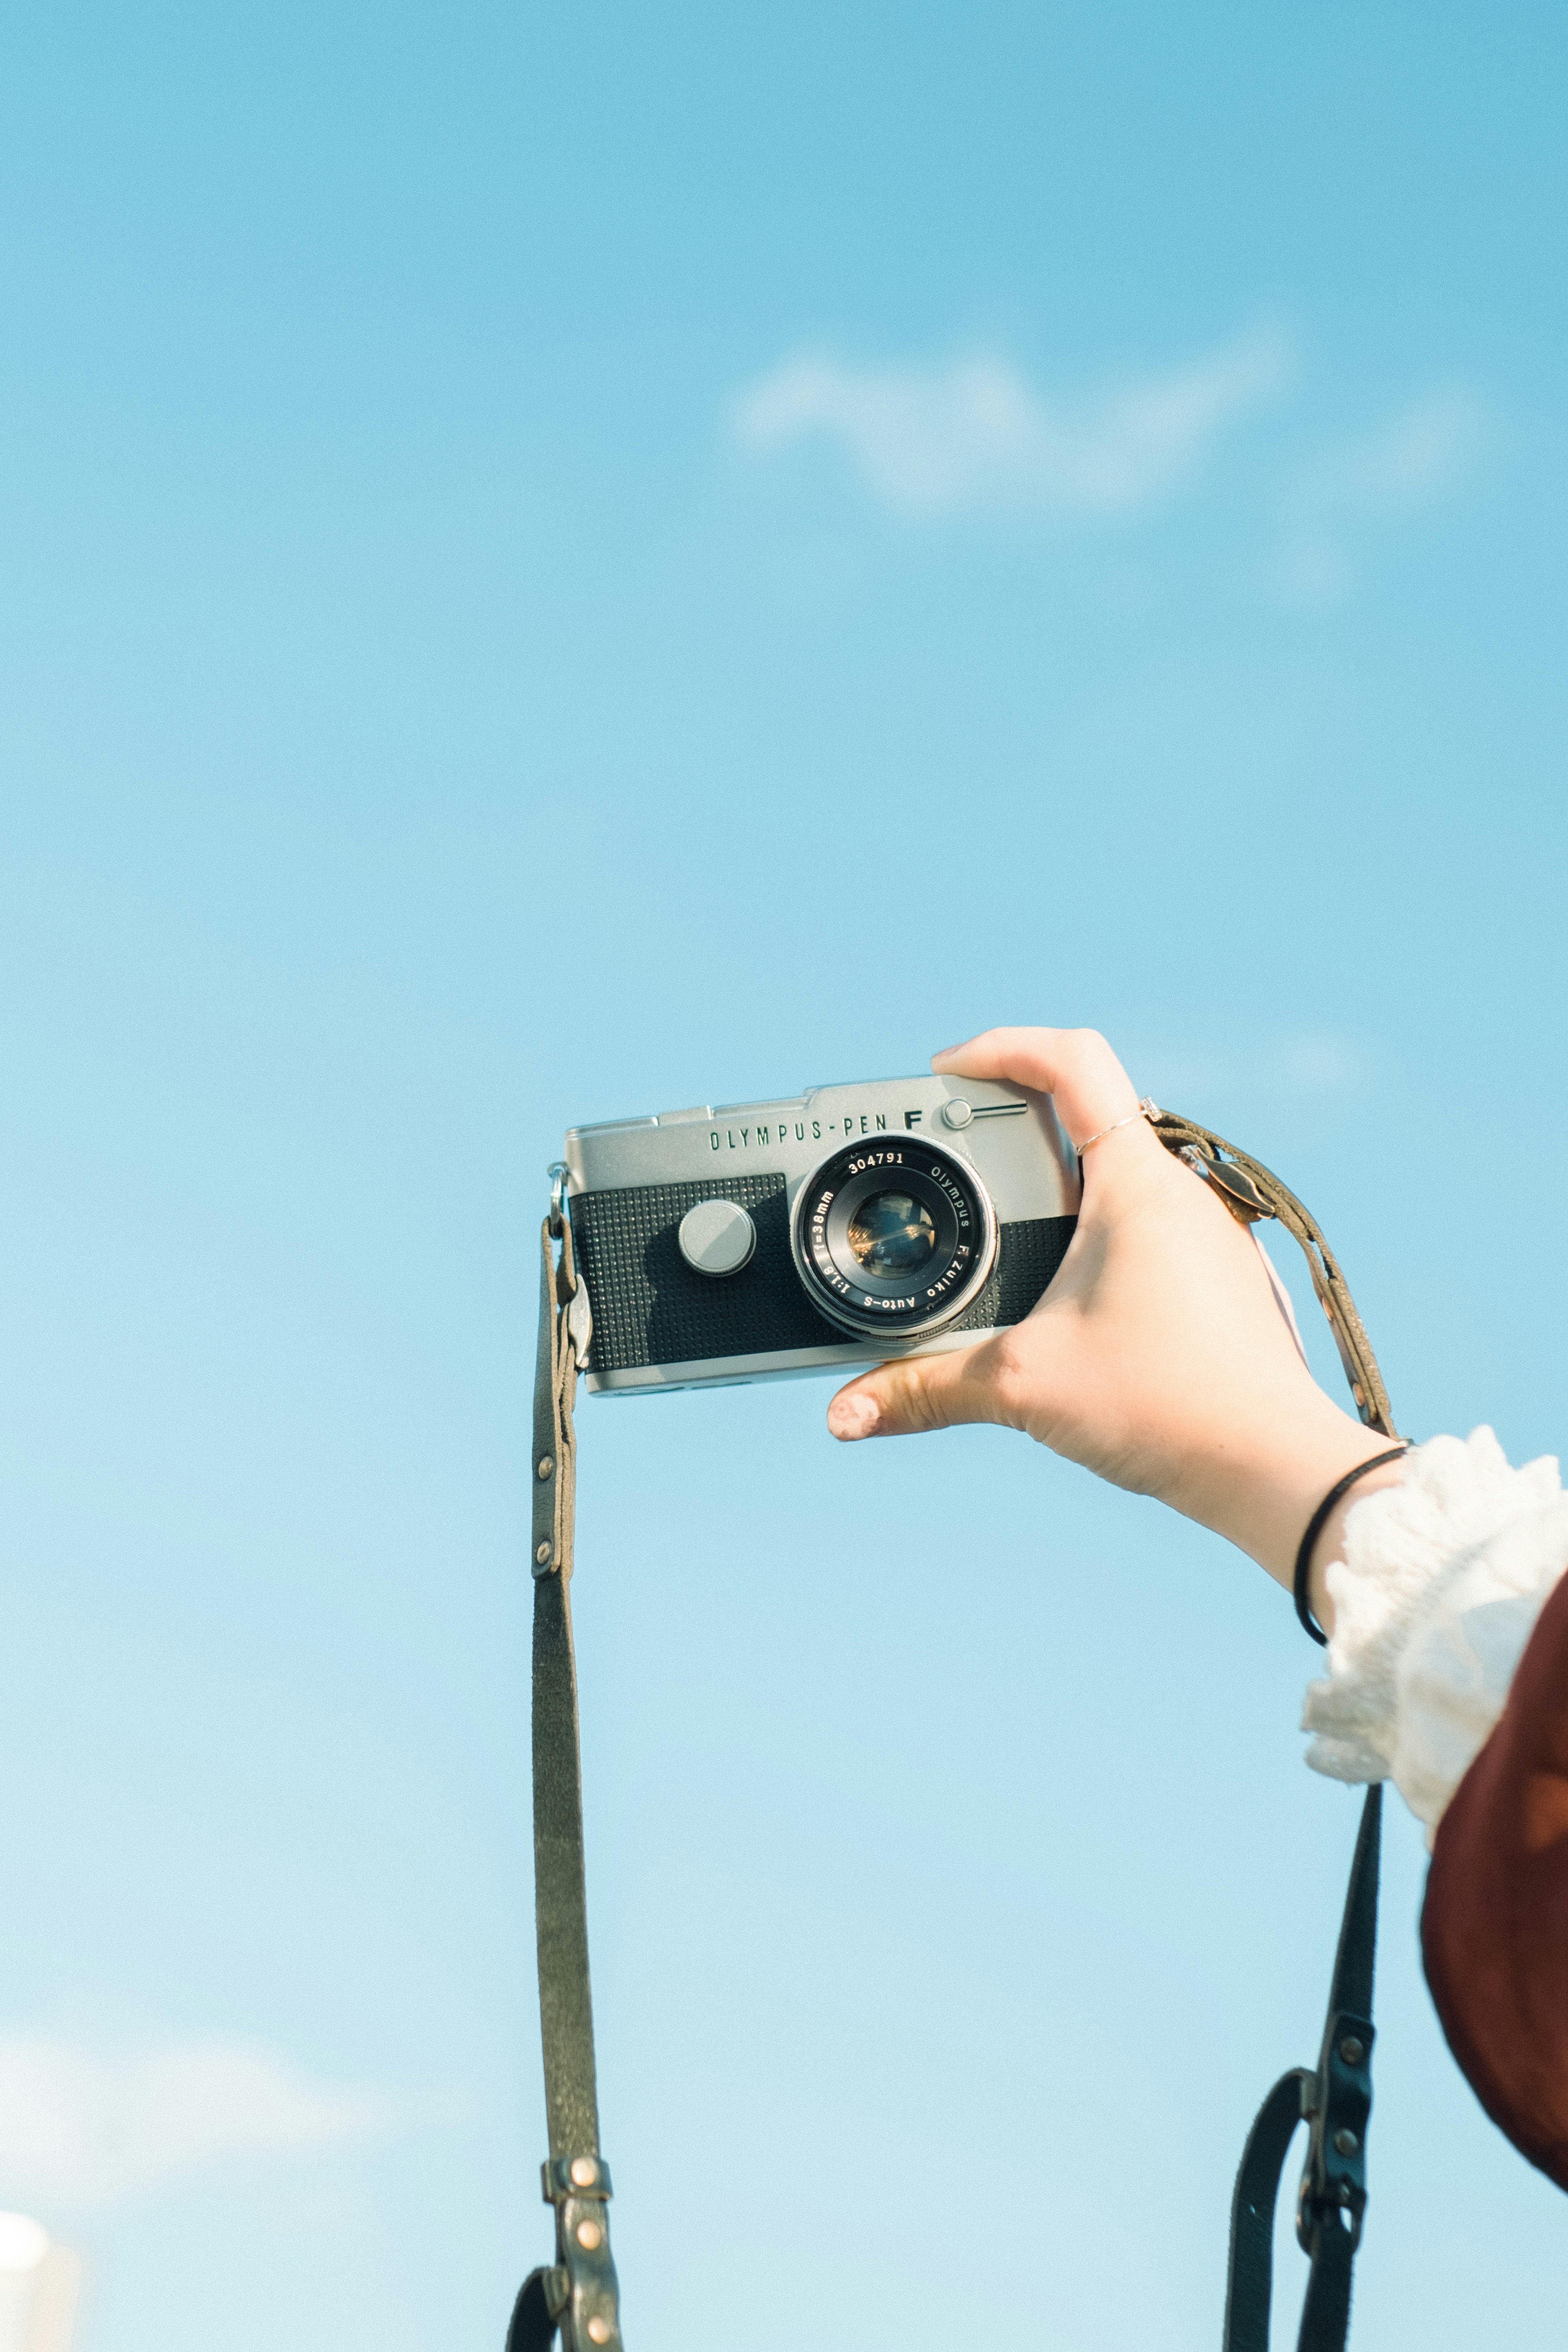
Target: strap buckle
(1334, 2179)
(583, 2294)
(1240, 1195)
(579, 2294)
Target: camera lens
(892, 1234)
(894, 1238)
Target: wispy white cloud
(976, 436)
(79, 2129)
(1316, 1062)
(1410, 464)
(1425, 449)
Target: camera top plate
(1012, 1140)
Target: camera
(755, 1240)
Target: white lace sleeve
(1442, 1581)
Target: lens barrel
(892, 1238)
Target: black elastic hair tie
(1315, 1526)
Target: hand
(1160, 1357)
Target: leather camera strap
(1333, 2099)
(577, 2296)
(1251, 1192)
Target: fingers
(918, 1392)
(1091, 1088)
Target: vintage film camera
(758, 1240)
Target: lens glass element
(892, 1234)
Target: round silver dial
(717, 1237)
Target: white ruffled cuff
(1442, 1581)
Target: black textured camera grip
(651, 1308)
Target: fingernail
(945, 1055)
(852, 1416)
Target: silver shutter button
(957, 1113)
(717, 1237)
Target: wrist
(1265, 1487)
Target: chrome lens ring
(893, 1239)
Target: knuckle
(922, 1409)
(887, 1390)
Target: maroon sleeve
(1494, 1927)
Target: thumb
(913, 1393)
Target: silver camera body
(851, 1223)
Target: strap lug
(582, 2291)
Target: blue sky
(560, 567)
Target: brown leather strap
(1252, 1192)
(578, 2297)
(555, 1393)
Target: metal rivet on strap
(600, 2330)
(1351, 2050)
(1346, 2142)
(543, 1553)
(589, 2234)
(546, 1465)
(584, 2171)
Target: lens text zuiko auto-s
(856, 1223)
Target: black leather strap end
(534, 2323)
(1250, 2288)
(1315, 1526)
